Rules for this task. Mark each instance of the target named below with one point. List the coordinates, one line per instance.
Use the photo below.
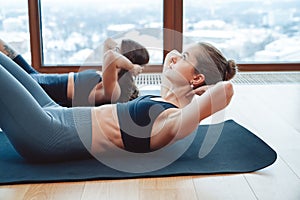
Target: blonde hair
(212, 63)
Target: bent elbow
(229, 91)
(108, 55)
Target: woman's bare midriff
(70, 86)
(105, 129)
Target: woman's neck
(179, 96)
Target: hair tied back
(231, 69)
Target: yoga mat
(232, 149)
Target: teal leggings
(39, 129)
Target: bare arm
(110, 44)
(175, 124)
(200, 90)
(112, 62)
(213, 100)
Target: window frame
(172, 20)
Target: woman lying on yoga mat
(85, 88)
(40, 130)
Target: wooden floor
(270, 111)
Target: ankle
(7, 50)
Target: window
(249, 31)
(73, 32)
(258, 35)
(14, 26)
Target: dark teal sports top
(55, 85)
(136, 119)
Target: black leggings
(38, 128)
